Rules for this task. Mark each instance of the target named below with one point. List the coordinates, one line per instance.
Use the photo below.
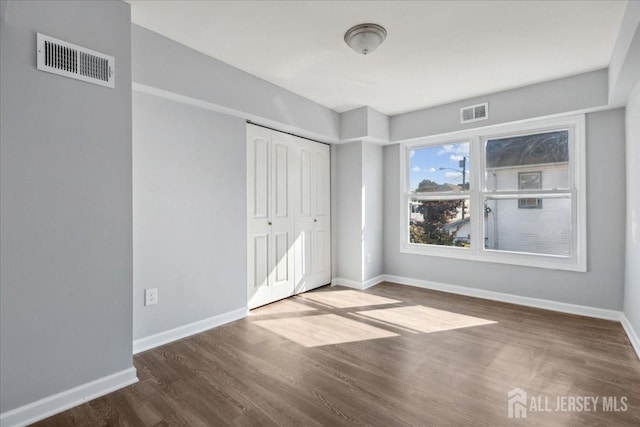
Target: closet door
(321, 231)
(270, 216)
(313, 225)
(303, 165)
(282, 216)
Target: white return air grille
(69, 60)
(473, 113)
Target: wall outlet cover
(151, 296)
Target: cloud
(412, 153)
(445, 149)
(452, 174)
(418, 169)
(462, 149)
(456, 157)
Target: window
(529, 181)
(439, 204)
(512, 194)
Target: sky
(425, 163)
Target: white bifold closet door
(289, 226)
(312, 255)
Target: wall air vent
(473, 113)
(69, 60)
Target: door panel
(282, 218)
(322, 220)
(303, 219)
(258, 229)
(281, 180)
(281, 270)
(305, 182)
(260, 178)
(318, 250)
(300, 259)
(260, 261)
(312, 255)
(320, 175)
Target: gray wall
(354, 124)
(65, 205)
(189, 213)
(364, 124)
(601, 286)
(373, 232)
(583, 91)
(624, 65)
(347, 200)
(357, 202)
(334, 210)
(164, 64)
(632, 271)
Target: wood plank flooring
(389, 356)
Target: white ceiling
(436, 51)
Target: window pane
(543, 153)
(440, 222)
(440, 168)
(546, 230)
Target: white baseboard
(339, 281)
(356, 284)
(631, 333)
(562, 307)
(581, 310)
(152, 341)
(372, 282)
(59, 402)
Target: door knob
(315, 219)
(269, 222)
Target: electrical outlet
(151, 296)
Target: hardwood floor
(389, 356)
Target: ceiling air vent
(473, 113)
(69, 60)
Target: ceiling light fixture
(365, 38)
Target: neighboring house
(416, 216)
(534, 225)
(461, 230)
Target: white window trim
(577, 189)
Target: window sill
(510, 258)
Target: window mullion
(477, 183)
(439, 196)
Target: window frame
(477, 192)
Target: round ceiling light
(365, 38)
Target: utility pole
(463, 165)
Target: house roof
(457, 223)
(551, 147)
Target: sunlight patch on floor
(346, 299)
(424, 319)
(286, 306)
(324, 329)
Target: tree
(428, 186)
(437, 214)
